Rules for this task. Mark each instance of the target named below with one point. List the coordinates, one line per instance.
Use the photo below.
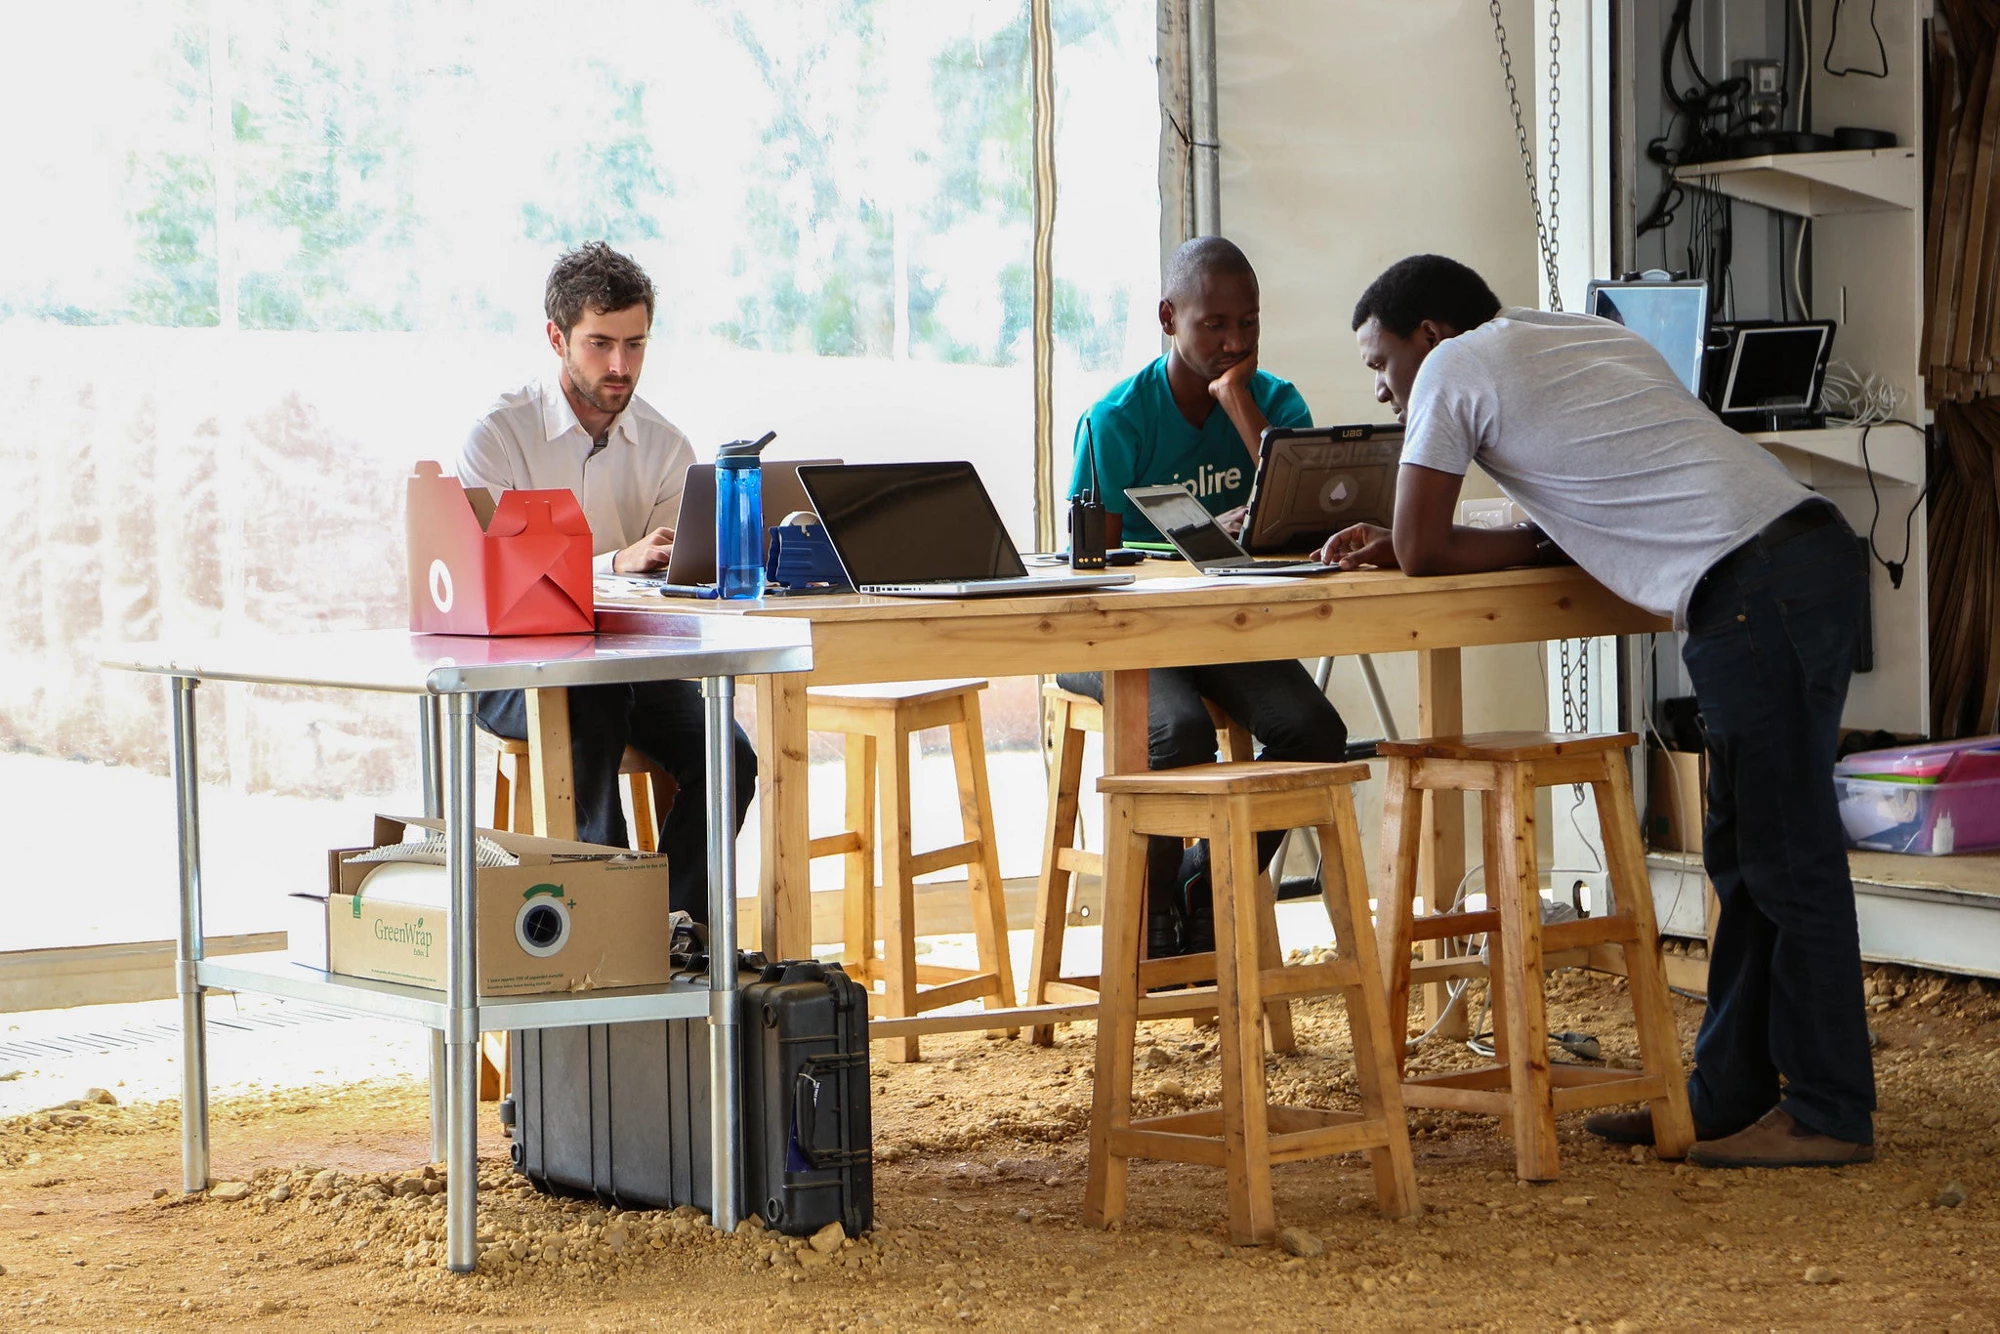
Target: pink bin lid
(1912, 762)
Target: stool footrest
(1574, 1088)
(833, 845)
(1296, 1133)
(958, 854)
(1080, 860)
(1308, 979)
(1589, 931)
(1444, 925)
(1180, 970)
(951, 993)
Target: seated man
(1586, 427)
(588, 432)
(1195, 417)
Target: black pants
(1288, 715)
(1770, 646)
(663, 720)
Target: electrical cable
(1896, 567)
(1833, 39)
(1798, 266)
(1805, 58)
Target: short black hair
(595, 277)
(1426, 287)
(1202, 258)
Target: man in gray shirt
(1585, 427)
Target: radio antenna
(1090, 452)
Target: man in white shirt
(1586, 427)
(588, 432)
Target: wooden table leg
(1441, 864)
(1125, 703)
(552, 780)
(784, 890)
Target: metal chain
(1546, 227)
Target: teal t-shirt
(1142, 439)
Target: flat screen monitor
(897, 523)
(1776, 368)
(1672, 316)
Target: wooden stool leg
(1277, 1013)
(645, 823)
(522, 817)
(1052, 902)
(1646, 979)
(1246, 1128)
(1117, 1013)
(501, 806)
(1369, 1022)
(1402, 835)
(1526, 1019)
(982, 875)
(857, 896)
(1499, 952)
(899, 964)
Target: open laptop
(1669, 313)
(1313, 481)
(693, 558)
(925, 530)
(1186, 523)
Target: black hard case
(621, 1111)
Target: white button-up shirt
(532, 441)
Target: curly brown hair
(595, 277)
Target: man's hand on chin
(648, 555)
(1234, 380)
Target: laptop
(926, 530)
(693, 558)
(1194, 532)
(1313, 481)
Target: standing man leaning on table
(1585, 427)
(588, 432)
(1195, 417)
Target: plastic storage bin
(1930, 800)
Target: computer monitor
(1671, 315)
(1776, 368)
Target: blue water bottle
(739, 518)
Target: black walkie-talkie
(1086, 515)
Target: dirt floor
(979, 1187)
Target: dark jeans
(1288, 715)
(663, 720)
(1770, 646)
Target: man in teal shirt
(1195, 417)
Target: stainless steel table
(444, 672)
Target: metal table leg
(461, 1035)
(188, 947)
(725, 1050)
(430, 744)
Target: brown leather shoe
(1633, 1127)
(1778, 1140)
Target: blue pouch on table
(802, 558)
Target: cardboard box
(1676, 800)
(570, 917)
(521, 567)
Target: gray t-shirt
(1585, 427)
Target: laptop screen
(1672, 316)
(1186, 523)
(901, 523)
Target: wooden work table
(1169, 618)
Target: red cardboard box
(521, 567)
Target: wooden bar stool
(1523, 1088)
(646, 783)
(1063, 858)
(877, 723)
(1231, 804)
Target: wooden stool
(1523, 1088)
(1231, 804)
(1070, 716)
(877, 722)
(646, 783)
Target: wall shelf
(1895, 452)
(1815, 185)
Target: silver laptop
(925, 530)
(1313, 481)
(1186, 522)
(693, 558)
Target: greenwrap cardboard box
(1677, 800)
(567, 917)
